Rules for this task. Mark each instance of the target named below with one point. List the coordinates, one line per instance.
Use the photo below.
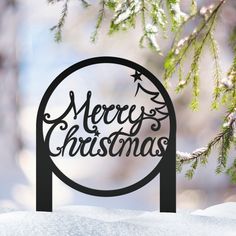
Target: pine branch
(170, 63)
(177, 16)
(150, 30)
(85, 3)
(99, 20)
(217, 72)
(232, 172)
(58, 28)
(223, 140)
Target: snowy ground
(89, 221)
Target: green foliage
(226, 140)
(189, 174)
(99, 21)
(223, 140)
(156, 16)
(58, 28)
(232, 172)
(177, 16)
(217, 72)
(195, 43)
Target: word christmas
(117, 143)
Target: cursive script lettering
(118, 143)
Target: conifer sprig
(222, 141)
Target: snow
(225, 210)
(87, 220)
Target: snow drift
(96, 221)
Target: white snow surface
(97, 221)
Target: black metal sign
(118, 143)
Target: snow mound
(96, 221)
(225, 210)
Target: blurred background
(30, 59)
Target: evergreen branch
(125, 15)
(194, 70)
(180, 29)
(176, 15)
(193, 14)
(143, 15)
(171, 67)
(99, 20)
(217, 72)
(226, 140)
(158, 15)
(232, 172)
(205, 151)
(85, 3)
(223, 139)
(150, 30)
(54, 1)
(143, 20)
(59, 26)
